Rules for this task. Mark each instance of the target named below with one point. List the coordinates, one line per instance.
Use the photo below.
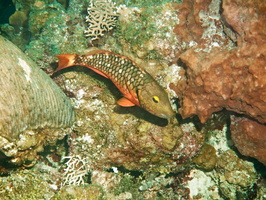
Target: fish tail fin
(64, 61)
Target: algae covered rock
(33, 187)
(206, 159)
(29, 100)
(236, 176)
(92, 192)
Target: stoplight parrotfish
(138, 86)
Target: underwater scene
(132, 100)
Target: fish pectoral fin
(125, 102)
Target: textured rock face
(227, 78)
(29, 100)
(249, 137)
(226, 70)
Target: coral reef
(249, 137)
(238, 71)
(109, 138)
(126, 153)
(31, 104)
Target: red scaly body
(137, 86)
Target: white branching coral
(75, 171)
(102, 17)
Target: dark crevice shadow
(140, 113)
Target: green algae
(128, 183)
(50, 30)
(92, 192)
(53, 34)
(142, 29)
(144, 3)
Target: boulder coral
(32, 106)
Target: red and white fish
(138, 86)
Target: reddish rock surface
(234, 79)
(189, 27)
(226, 69)
(249, 137)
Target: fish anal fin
(125, 102)
(65, 60)
(98, 72)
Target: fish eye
(155, 99)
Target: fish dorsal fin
(125, 102)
